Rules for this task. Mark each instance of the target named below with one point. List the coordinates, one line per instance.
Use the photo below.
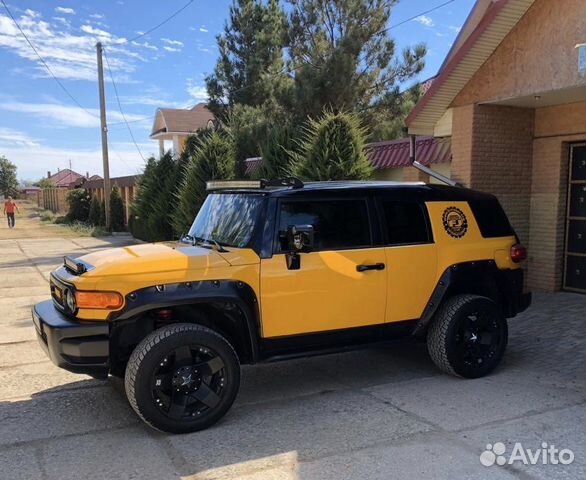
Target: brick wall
(492, 150)
(556, 128)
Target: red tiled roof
(392, 153)
(395, 153)
(127, 181)
(64, 178)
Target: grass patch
(86, 230)
(47, 216)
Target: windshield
(227, 219)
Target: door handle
(374, 266)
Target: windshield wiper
(206, 242)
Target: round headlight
(70, 300)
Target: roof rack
(290, 182)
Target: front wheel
(468, 336)
(182, 378)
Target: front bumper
(77, 346)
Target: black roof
(417, 190)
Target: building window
(337, 224)
(404, 223)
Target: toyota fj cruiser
(273, 270)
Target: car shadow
(326, 390)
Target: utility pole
(104, 128)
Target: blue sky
(42, 129)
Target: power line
(45, 63)
(120, 106)
(403, 22)
(150, 30)
(407, 20)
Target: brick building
(511, 98)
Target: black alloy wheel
(468, 337)
(182, 378)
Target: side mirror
(300, 238)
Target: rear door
(330, 291)
(410, 257)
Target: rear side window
(337, 224)
(404, 223)
(491, 218)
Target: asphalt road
(376, 414)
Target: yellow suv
(274, 270)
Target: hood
(151, 258)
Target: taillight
(518, 253)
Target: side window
(405, 223)
(338, 224)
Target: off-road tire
(145, 359)
(446, 328)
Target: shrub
(79, 205)
(276, 162)
(151, 212)
(214, 159)
(116, 210)
(332, 148)
(102, 220)
(94, 213)
(47, 216)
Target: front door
(328, 292)
(575, 251)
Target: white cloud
(34, 161)
(9, 136)
(175, 43)
(197, 90)
(70, 55)
(203, 29)
(455, 29)
(65, 10)
(97, 16)
(64, 115)
(171, 49)
(425, 21)
(145, 45)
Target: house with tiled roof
(174, 125)
(64, 178)
(510, 98)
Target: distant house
(64, 178)
(175, 125)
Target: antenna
(425, 169)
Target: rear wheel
(468, 336)
(182, 378)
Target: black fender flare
(186, 293)
(489, 280)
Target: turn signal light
(107, 300)
(518, 253)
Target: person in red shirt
(9, 208)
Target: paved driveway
(382, 413)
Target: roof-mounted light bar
(290, 182)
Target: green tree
(275, 153)
(344, 58)
(79, 205)
(214, 159)
(116, 210)
(45, 183)
(332, 148)
(249, 70)
(94, 212)
(102, 221)
(8, 181)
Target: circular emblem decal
(455, 222)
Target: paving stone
(562, 428)
(454, 403)
(54, 414)
(18, 331)
(27, 380)
(121, 455)
(20, 464)
(436, 458)
(13, 354)
(314, 426)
